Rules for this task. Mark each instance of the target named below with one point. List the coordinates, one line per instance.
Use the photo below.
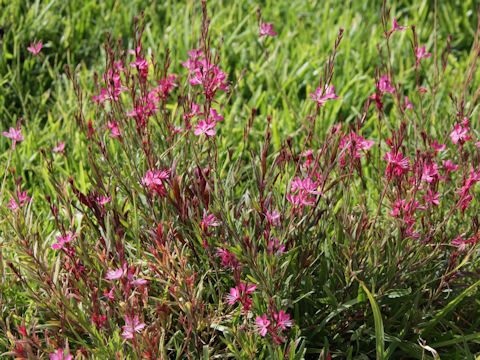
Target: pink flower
(166, 85)
(215, 116)
(353, 145)
(227, 258)
(194, 111)
(109, 294)
(398, 207)
(273, 217)
(208, 220)
(142, 66)
(384, 85)
(59, 148)
(305, 189)
(432, 198)
(35, 48)
(460, 243)
(397, 27)
(262, 324)
(15, 135)
(234, 296)
(430, 172)
(59, 354)
(62, 240)
(321, 96)
(115, 274)
(103, 200)
(114, 130)
(282, 320)
(407, 104)
(308, 155)
(132, 326)
(397, 164)
(205, 127)
(240, 293)
(154, 181)
(301, 199)
(459, 133)
(23, 199)
(266, 29)
(449, 166)
(421, 53)
(275, 247)
(464, 191)
(139, 282)
(307, 185)
(438, 147)
(377, 97)
(208, 75)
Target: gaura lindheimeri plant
(354, 238)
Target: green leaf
(377, 318)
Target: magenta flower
(227, 258)
(109, 294)
(437, 146)
(59, 148)
(202, 72)
(205, 127)
(194, 111)
(240, 293)
(397, 164)
(398, 207)
(430, 172)
(139, 282)
(23, 199)
(142, 66)
(208, 220)
(154, 181)
(266, 29)
(464, 191)
(421, 53)
(15, 135)
(282, 320)
(103, 200)
(166, 85)
(275, 247)
(407, 105)
(114, 130)
(59, 354)
(397, 27)
(459, 133)
(384, 85)
(262, 324)
(35, 48)
(432, 198)
(115, 274)
(460, 243)
(273, 217)
(215, 116)
(449, 166)
(353, 145)
(62, 240)
(321, 96)
(132, 326)
(307, 185)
